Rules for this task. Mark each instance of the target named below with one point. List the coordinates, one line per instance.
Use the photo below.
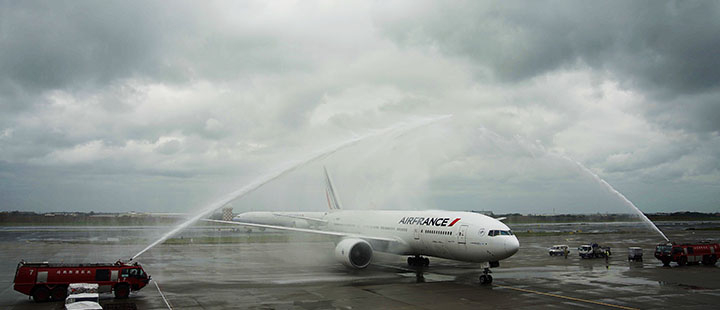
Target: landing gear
(486, 278)
(418, 261)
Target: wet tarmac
(301, 274)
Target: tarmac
(302, 274)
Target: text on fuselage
(429, 221)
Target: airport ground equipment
(79, 288)
(83, 299)
(688, 253)
(593, 251)
(50, 281)
(558, 249)
(635, 254)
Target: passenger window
(690, 250)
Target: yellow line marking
(566, 297)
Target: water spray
(288, 167)
(532, 146)
(617, 193)
(602, 182)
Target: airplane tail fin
(332, 198)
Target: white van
(558, 249)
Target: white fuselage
(287, 219)
(464, 236)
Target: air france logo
(430, 221)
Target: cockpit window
(500, 232)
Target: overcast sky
(164, 106)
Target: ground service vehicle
(635, 254)
(559, 249)
(83, 296)
(48, 281)
(684, 254)
(83, 301)
(593, 251)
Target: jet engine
(354, 253)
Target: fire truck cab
(684, 254)
(48, 281)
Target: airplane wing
(311, 231)
(307, 218)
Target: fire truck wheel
(122, 291)
(59, 293)
(41, 294)
(709, 260)
(682, 261)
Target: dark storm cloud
(102, 56)
(89, 44)
(50, 45)
(666, 49)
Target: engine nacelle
(355, 253)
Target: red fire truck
(48, 281)
(687, 253)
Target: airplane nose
(512, 245)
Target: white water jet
(598, 179)
(617, 193)
(531, 146)
(287, 167)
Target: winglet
(332, 198)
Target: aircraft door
(462, 234)
(417, 234)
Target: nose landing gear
(486, 278)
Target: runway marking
(162, 295)
(566, 297)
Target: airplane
(455, 235)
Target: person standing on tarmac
(566, 252)
(607, 259)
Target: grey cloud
(146, 92)
(669, 45)
(666, 49)
(50, 45)
(694, 112)
(84, 45)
